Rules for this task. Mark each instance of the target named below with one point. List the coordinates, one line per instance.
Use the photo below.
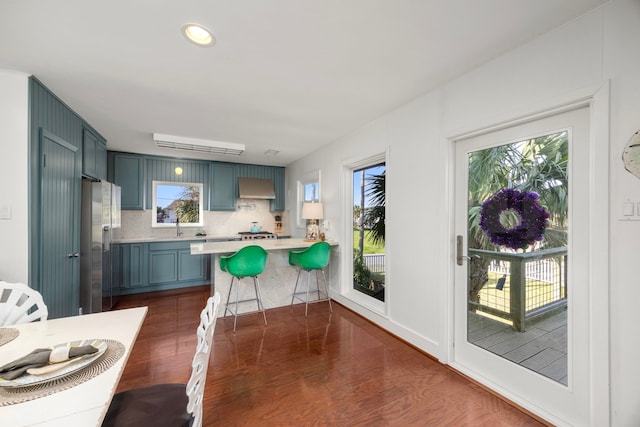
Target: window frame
(154, 216)
(309, 178)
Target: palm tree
(539, 165)
(375, 215)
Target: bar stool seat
(247, 262)
(314, 258)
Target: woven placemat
(13, 395)
(8, 335)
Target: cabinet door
(59, 225)
(223, 188)
(94, 155)
(278, 182)
(101, 161)
(163, 267)
(132, 265)
(191, 267)
(89, 143)
(128, 173)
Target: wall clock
(631, 155)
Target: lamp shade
(311, 210)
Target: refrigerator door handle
(106, 238)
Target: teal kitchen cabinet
(133, 265)
(56, 160)
(223, 187)
(94, 155)
(278, 182)
(192, 267)
(172, 262)
(127, 171)
(163, 263)
(156, 266)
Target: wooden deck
(541, 348)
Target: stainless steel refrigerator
(100, 225)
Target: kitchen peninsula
(276, 282)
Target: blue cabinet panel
(133, 265)
(192, 267)
(128, 173)
(163, 267)
(223, 187)
(54, 196)
(94, 155)
(145, 267)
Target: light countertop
(267, 244)
(178, 239)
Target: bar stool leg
(296, 288)
(306, 307)
(256, 285)
(226, 305)
(326, 290)
(235, 314)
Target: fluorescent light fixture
(199, 145)
(198, 34)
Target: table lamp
(312, 211)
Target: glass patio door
(521, 300)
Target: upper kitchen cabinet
(278, 182)
(224, 187)
(94, 155)
(127, 171)
(56, 154)
(135, 174)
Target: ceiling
(285, 75)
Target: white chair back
(195, 386)
(20, 304)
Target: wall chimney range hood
(255, 188)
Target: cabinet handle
(73, 254)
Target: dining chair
(20, 304)
(314, 258)
(165, 405)
(247, 262)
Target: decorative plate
(75, 365)
(631, 155)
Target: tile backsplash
(137, 224)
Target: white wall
(567, 63)
(14, 147)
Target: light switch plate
(629, 210)
(5, 211)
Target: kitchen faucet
(178, 230)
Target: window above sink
(177, 200)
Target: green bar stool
(247, 262)
(314, 258)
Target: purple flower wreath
(534, 218)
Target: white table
(86, 403)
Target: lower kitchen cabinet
(133, 265)
(155, 266)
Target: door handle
(73, 254)
(459, 257)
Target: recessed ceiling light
(198, 34)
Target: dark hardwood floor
(328, 369)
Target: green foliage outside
(369, 246)
(189, 208)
